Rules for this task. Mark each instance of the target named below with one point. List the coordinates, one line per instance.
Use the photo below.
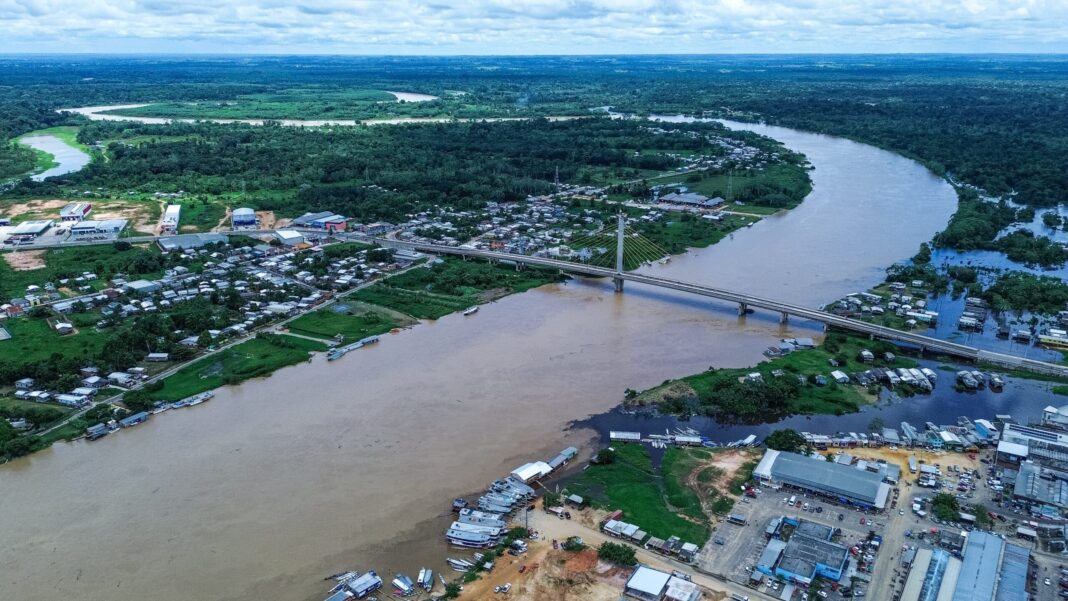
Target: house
(119, 378)
(24, 384)
(63, 328)
(94, 382)
(158, 357)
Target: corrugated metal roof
(979, 570)
(1013, 583)
(799, 470)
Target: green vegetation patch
(728, 396)
(104, 260)
(353, 323)
(451, 285)
(632, 484)
(252, 359)
(33, 340)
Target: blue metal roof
(979, 571)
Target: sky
(445, 27)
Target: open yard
(352, 321)
(104, 260)
(34, 340)
(654, 498)
(252, 359)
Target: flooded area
(68, 158)
(324, 467)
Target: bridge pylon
(621, 223)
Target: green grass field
(742, 186)
(646, 495)
(252, 359)
(201, 214)
(352, 323)
(683, 232)
(450, 286)
(103, 260)
(34, 340)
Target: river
(351, 464)
(68, 158)
(104, 113)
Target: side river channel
(352, 464)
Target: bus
(734, 518)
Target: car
(901, 512)
(862, 520)
(1047, 582)
(841, 516)
(822, 593)
(804, 596)
(522, 568)
(719, 540)
(858, 593)
(504, 588)
(785, 500)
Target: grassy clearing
(201, 215)
(451, 285)
(353, 323)
(689, 231)
(632, 484)
(252, 359)
(33, 340)
(789, 180)
(103, 260)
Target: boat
(459, 504)
(197, 399)
(426, 579)
(340, 351)
(471, 310)
(364, 585)
(403, 585)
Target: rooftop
(648, 581)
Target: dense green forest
(373, 173)
(999, 123)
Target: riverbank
(58, 151)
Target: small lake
(69, 158)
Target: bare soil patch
(267, 219)
(26, 260)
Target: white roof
(1012, 448)
(288, 234)
(530, 471)
(648, 581)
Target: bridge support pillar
(784, 317)
(743, 309)
(619, 284)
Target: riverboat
(471, 310)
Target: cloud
(536, 26)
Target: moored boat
(471, 310)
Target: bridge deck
(846, 323)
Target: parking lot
(735, 550)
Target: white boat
(403, 585)
(426, 579)
(471, 310)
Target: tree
(204, 340)
(605, 456)
(121, 245)
(617, 553)
(876, 425)
(786, 440)
(452, 590)
(945, 507)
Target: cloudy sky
(533, 26)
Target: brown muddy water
(352, 464)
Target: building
(75, 211)
(646, 584)
(243, 218)
(143, 287)
(531, 471)
(106, 227)
(808, 554)
(979, 570)
(188, 241)
(1055, 416)
(327, 221)
(1012, 586)
(1046, 447)
(1036, 485)
(158, 357)
(566, 455)
(289, 237)
(843, 483)
(681, 590)
(171, 216)
(28, 230)
(933, 575)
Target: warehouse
(105, 227)
(979, 570)
(243, 218)
(843, 483)
(171, 217)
